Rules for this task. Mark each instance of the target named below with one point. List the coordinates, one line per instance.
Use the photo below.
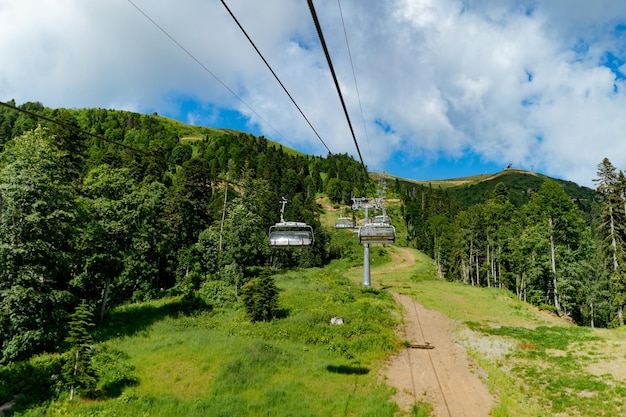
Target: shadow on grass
(281, 313)
(133, 319)
(348, 370)
(25, 384)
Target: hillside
(146, 243)
(521, 185)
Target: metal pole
(366, 255)
(366, 265)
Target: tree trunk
(553, 264)
(591, 313)
(105, 297)
(477, 271)
(613, 241)
(469, 262)
(488, 265)
(465, 271)
(75, 372)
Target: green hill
(165, 240)
(521, 184)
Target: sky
(434, 89)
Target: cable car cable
(274, 74)
(345, 34)
(332, 71)
(205, 68)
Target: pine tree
(260, 298)
(77, 371)
(610, 185)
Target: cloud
(533, 82)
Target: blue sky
(446, 88)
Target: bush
(260, 298)
(218, 294)
(33, 381)
(113, 372)
(548, 307)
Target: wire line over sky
(204, 67)
(345, 33)
(332, 71)
(274, 74)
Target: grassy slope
(216, 363)
(538, 364)
(521, 185)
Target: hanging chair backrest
(291, 234)
(344, 223)
(377, 233)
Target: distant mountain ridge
(520, 183)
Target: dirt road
(442, 376)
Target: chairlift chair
(344, 223)
(377, 233)
(384, 219)
(290, 234)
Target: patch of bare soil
(404, 259)
(442, 376)
(609, 360)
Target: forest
(141, 214)
(552, 243)
(113, 207)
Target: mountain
(520, 183)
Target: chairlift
(344, 222)
(290, 234)
(377, 233)
(384, 219)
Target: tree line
(557, 251)
(141, 214)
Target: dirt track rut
(442, 376)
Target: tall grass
(219, 364)
(164, 359)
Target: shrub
(260, 298)
(548, 307)
(218, 294)
(113, 372)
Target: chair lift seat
(377, 233)
(344, 223)
(384, 219)
(290, 234)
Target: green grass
(162, 359)
(553, 367)
(219, 364)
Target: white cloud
(514, 80)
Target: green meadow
(154, 360)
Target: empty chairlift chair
(377, 233)
(344, 222)
(384, 219)
(290, 234)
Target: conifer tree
(611, 186)
(260, 298)
(77, 371)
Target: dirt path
(404, 259)
(442, 376)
